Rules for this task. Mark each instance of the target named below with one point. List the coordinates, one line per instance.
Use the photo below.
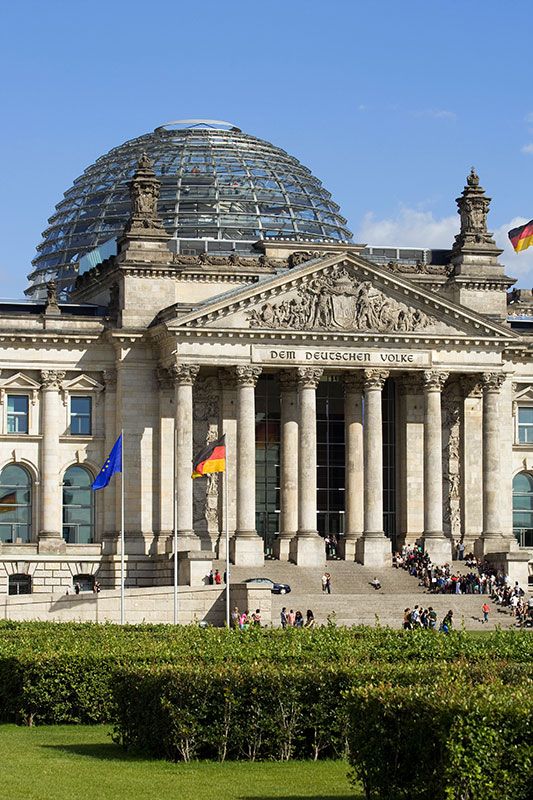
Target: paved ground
(354, 601)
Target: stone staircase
(354, 601)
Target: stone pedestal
(51, 542)
(374, 551)
(514, 563)
(194, 567)
(246, 549)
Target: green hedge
(268, 711)
(446, 741)
(57, 673)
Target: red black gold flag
(522, 237)
(8, 502)
(211, 459)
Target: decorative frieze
(206, 394)
(452, 462)
(337, 301)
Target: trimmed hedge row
(268, 711)
(447, 741)
(61, 673)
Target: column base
(374, 550)
(246, 550)
(51, 542)
(307, 550)
(515, 564)
(347, 547)
(439, 549)
(490, 542)
(282, 546)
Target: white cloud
(411, 227)
(529, 117)
(528, 148)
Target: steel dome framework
(217, 183)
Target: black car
(275, 588)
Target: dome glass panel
(217, 183)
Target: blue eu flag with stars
(112, 464)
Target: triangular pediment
(524, 393)
(82, 383)
(339, 294)
(20, 381)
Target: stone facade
(173, 362)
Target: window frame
(77, 396)
(17, 415)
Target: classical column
(184, 376)
(289, 464)
(308, 548)
(50, 534)
(228, 426)
(108, 498)
(247, 546)
(435, 542)
(373, 549)
(411, 459)
(354, 470)
(492, 499)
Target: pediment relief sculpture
(338, 302)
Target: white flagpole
(226, 492)
(122, 537)
(175, 530)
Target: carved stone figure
(205, 429)
(451, 471)
(473, 207)
(144, 194)
(337, 301)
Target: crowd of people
(295, 619)
(481, 579)
(419, 617)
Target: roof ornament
(473, 207)
(144, 194)
(51, 305)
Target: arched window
(78, 506)
(15, 504)
(84, 582)
(523, 508)
(19, 584)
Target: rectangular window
(17, 413)
(80, 416)
(525, 425)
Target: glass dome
(218, 184)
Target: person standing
(283, 617)
(310, 621)
(485, 608)
(290, 618)
(328, 583)
(324, 581)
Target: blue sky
(388, 103)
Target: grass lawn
(71, 761)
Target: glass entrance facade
(330, 458)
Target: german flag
(8, 502)
(211, 459)
(522, 237)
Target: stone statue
(144, 194)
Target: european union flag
(112, 464)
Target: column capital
(110, 378)
(492, 382)
(226, 377)
(309, 377)
(354, 382)
(471, 385)
(375, 378)
(184, 374)
(247, 376)
(52, 378)
(434, 380)
(288, 380)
